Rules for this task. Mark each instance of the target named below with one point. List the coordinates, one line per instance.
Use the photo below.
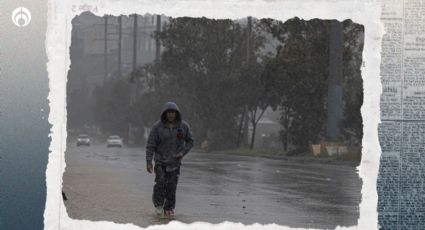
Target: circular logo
(21, 16)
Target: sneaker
(158, 210)
(169, 213)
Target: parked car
(83, 139)
(114, 141)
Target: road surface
(111, 184)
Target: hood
(171, 106)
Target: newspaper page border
(58, 41)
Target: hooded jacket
(165, 143)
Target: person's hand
(179, 156)
(149, 168)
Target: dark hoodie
(165, 143)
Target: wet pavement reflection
(112, 184)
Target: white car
(114, 141)
(83, 139)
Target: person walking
(170, 139)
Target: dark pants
(164, 190)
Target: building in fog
(95, 56)
(88, 47)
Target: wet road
(112, 184)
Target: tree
(300, 71)
(201, 69)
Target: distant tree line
(219, 74)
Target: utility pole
(158, 46)
(335, 77)
(133, 86)
(143, 40)
(105, 51)
(135, 42)
(119, 45)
